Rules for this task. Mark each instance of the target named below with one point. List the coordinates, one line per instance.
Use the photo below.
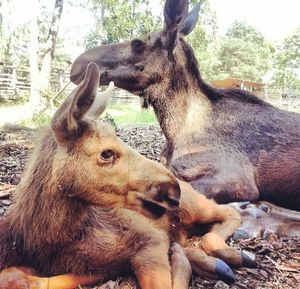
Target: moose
(262, 219)
(89, 207)
(227, 143)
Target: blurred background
(253, 45)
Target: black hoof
(224, 272)
(247, 261)
(240, 234)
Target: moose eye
(138, 46)
(107, 155)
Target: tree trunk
(35, 96)
(48, 56)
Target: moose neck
(43, 214)
(179, 101)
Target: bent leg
(20, 278)
(180, 268)
(152, 269)
(196, 208)
(207, 266)
(223, 175)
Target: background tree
(242, 53)
(43, 40)
(117, 20)
(13, 37)
(203, 38)
(287, 63)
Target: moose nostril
(139, 68)
(173, 194)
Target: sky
(273, 18)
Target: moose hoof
(224, 272)
(247, 261)
(240, 234)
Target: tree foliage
(118, 20)
(243, 53)
(13, 38)
(203, 35)
(287, 62)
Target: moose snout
(165, 195)
(171, 193)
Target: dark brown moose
(227, 143)
(88, 208)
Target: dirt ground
(278, 258)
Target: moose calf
(89, 207)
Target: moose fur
(227, 143)
(89, 207)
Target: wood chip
(287, 268)
(4, 195)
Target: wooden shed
(256, 88)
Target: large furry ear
(175, 12)
(190, 21)
(66, 123)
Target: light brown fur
(89, 205)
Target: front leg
(151, 266)
(197, 209)
(20, 278)
(224, 178)
(180, 268)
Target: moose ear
(66, 121)
(190, 21)
(100, 102)
(175, 12)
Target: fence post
(14, 78)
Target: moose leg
(196, 208)
(261, 219)
(151, 266)
(180, 268)
(225, 177)
(19, 278)
(207, 266)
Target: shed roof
(236, 82)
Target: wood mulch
(278, 258)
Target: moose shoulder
(226, 143)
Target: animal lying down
(227, 143)
(262, 219)
(89, 208)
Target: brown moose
(227, 143)
(88, 207)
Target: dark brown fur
(227, 143)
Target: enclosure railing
(15, 84)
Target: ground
(278, 258)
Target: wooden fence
(15, 84)
(284, 98)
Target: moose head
(140, 65)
